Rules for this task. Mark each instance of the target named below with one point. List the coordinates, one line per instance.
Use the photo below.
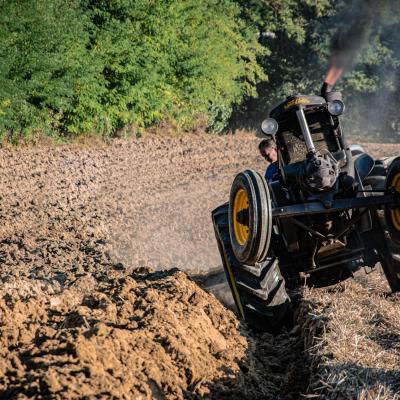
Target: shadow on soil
(385, 334)
(274, 364)
(273, 368)
(215, 282)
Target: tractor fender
(364, 164)
(356, 149)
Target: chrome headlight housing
(269, 126)
(336, 107)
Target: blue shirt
(271, 171)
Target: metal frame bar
(356, 254)
(337, 205)
(313, 232)
(319, 235)
(351, 222)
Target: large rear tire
(382, 177)
(390, 259)
(259, 289)
(392, 215)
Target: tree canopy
(299, 36)
(97, 66)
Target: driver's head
(267, 149)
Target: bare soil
(92, 303)
(143, 335)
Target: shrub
(97, 66)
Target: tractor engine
(318, 173)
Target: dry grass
(352, 333)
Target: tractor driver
(267, 149)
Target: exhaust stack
(334, 73)
(326, 88)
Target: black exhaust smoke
(355, 22)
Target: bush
(97, 66)
(44, 64)
(172, 59)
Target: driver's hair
(266, 143)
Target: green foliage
(298, 37)
(43, 63)
(97, 66)
(172, 59)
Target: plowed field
(93, 303)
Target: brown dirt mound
(149, 336)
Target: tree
(298, 38)
(43, 64)
(173, 59)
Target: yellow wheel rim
(240, 204)
(395, 213)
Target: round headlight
(336, 107)
(269, 126)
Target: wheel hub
(241, 216)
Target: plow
(330, 210)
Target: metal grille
(321, 132)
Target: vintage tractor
(330, 210)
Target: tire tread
(261, 287)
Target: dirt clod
(130, 337)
